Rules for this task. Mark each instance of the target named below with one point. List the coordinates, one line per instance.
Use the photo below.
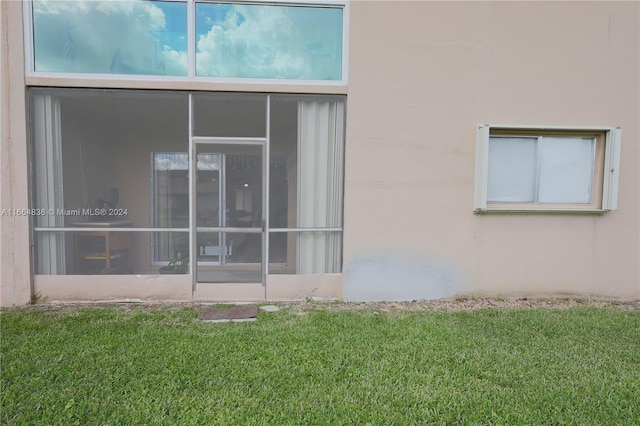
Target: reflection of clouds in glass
(180, 161)
(208, 161)
(108, 37)
(171, 161)
(269, 42)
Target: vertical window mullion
(29, 48)
(191, 38)
(266, 176)
(538, 167)
(346, 14)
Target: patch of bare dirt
(440, 305)
(467, 304)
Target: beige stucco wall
(15, 274)
(422, 75)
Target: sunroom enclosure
(225, 187)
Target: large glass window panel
(95, 166)
(320, 164)
(268, 41)
(512, 170)
(566, 169)
(110, 37)
(283, 181)
(93, 154)
(306, 164)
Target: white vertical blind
(335, 178)
(320, 170)
(48, 184)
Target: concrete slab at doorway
(231, 314)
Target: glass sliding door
(229, 201)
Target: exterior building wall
(422, 75)
(15, 271)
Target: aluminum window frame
(604, 200)
(29, 48)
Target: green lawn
(98, 366)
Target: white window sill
(563, 211)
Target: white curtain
(320, 176)
(48, 184)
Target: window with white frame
(546, 168)
(194, 39)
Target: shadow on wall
(399, 277)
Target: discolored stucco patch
(399, 277)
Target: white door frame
(193, 228)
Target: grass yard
(123, 365)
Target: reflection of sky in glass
(150, 38)
(256, 41)
(112, 37)
(175, 33)
(180, 161)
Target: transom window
(529, 169)
(189, 39)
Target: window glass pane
(512, 170)
(566, 169)
(95, 166)
(267, 41)
(110, 37)
(305, 252)
(85, 252)
(241, 253)
(171, 187)
(283, 180)
(93, 154)
(306, 164)
(171, 198)
(230, 115)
